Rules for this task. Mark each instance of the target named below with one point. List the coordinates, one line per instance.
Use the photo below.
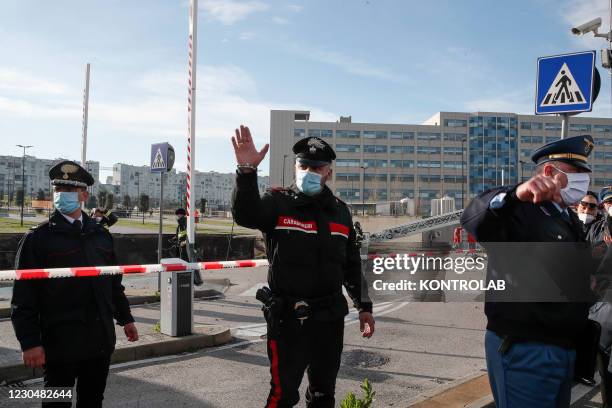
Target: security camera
(591, 26)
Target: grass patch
(13, 225)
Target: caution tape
(84, 271)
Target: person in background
(588, 210)
(104, 217)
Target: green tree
(19, 197)
(108, 203)
(203, 202)
(143, 205)
(92, 202)
(102, 194)
(127, 201)
(40, 195)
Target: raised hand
(540, 188)
(246, 153)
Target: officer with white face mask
(538, 246)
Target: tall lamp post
(284, 157)
(363, 189)
(463, 172)
(522, 165)
(23, 178)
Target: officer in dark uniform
(181, 234)
(181, 242)
(66, 324)
(311, 247)
(538, 247)
(104, 217)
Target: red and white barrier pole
(23, 274)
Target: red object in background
(457, 236)
(471, 239)
(197, 216)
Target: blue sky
(396, 61)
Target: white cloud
(247, 36)
(280, 20)
(15, 80)
(229, 12)
(296, 8)
(347, 63)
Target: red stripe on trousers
(276, 396)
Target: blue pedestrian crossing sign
(565, 83)
(160, 157)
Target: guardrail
(416, 227)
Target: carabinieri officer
(531, 239)
(66, 324)
(311, 247)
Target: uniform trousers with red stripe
(314, 347)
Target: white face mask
(98, 219)
(610, 211)
(577, 186)
(585, 218)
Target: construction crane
(415, 227)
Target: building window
(375, 134)
(448, 164)
(402, 149)
(452, 150)
(454, 137)
(552, 138)
(455, 123)
(347, 163)
(374, 163)
(376, 177)
(603, 168)
(603, 142)
(429, 178)
(552, 126)
(348, 193)
(531, 126)
(526, 152)
(348, 134)
(428, 164)
(602, 128)
(603, 155)
(375, 149)
(579, 127)
(401, 163)
(403, 178)
(347, 176)
(322, 133)
(299, 133)
(428, 150)
(348, 148)
(402, 135)
(428, 136)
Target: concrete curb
(207, 336)
(472, 391)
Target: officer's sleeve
(487, 214)
(123, 314)
(248, 208)
(25, 312)
(111, 218)
(354, 282)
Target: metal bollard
(176, 297)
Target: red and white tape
(23, 274)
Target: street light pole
(283, 182)
(23, 178)
(463, 172)
(363, 190)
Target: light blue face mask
(308, 182)
(66, 202)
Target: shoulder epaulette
(42, 224)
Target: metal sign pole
(161, 223)
(193, 48)
(564, 125)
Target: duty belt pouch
(587, 346)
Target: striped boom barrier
(77, 272)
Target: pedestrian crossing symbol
(566, 83)
(564, 90)
(158, 160)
